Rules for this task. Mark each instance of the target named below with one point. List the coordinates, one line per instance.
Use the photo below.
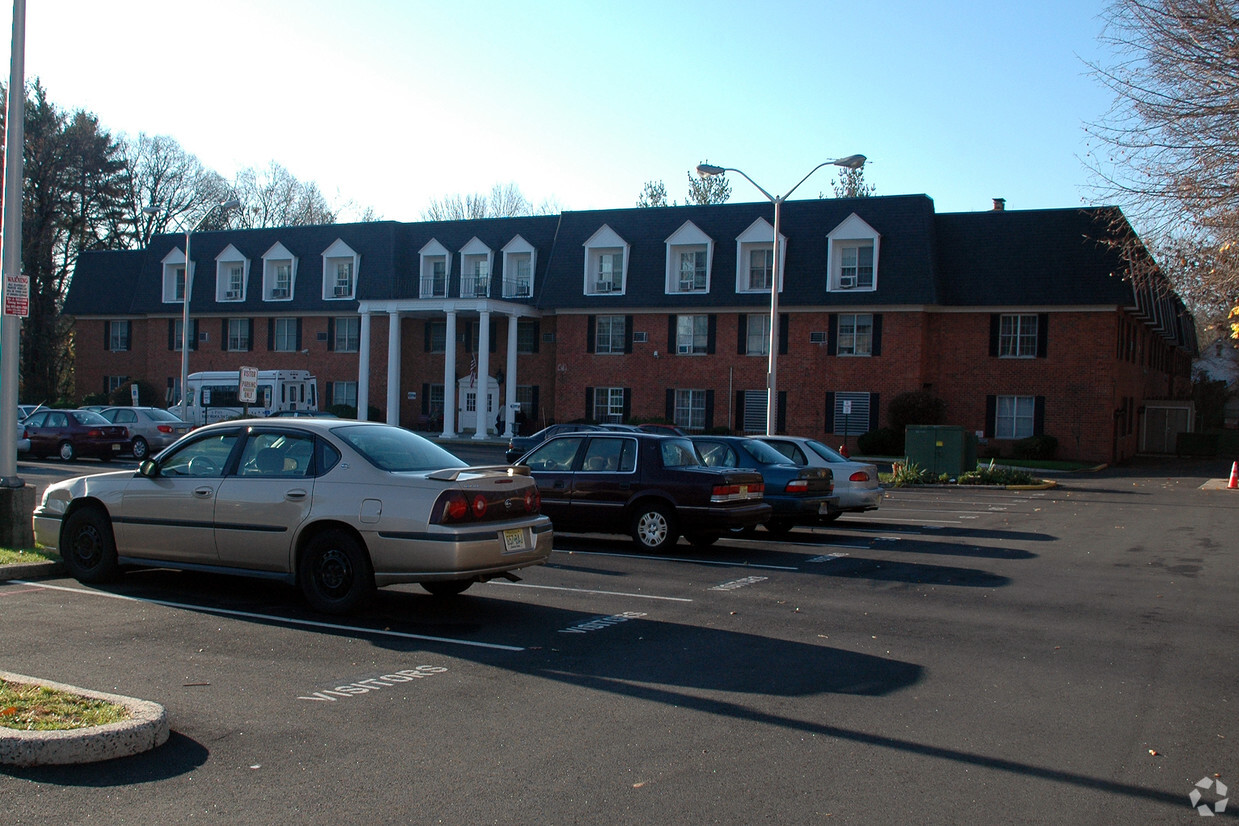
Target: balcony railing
(471, 286)
(516, 289)
(434, 287)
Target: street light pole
(707, 170)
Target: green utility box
(941, 448)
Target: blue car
(798, 495)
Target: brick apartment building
(1023, 322)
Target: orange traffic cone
(1234, 477)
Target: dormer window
(518, 261)
(339, 271)
(279, 274)
(853, 255)
(435, 269)
(475, 261)
(174, 277)
(689, 251)
(606, 263)
(232, 271)
(755, 258)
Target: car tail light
(461, 506)
(163, 428)
(727, 493)
(798, 485)
(859, 476)
(479, 506)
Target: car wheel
(779, 527)
(140, 448)
(447, 587)
(702, 540)
(335, 573)
(653, 527)
(87, 546)
(67, 452)
(832, 516)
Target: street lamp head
(851, 162)
(233, 203)
(150, 210)
(706, 170)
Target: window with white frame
(606, 255)
(690, 409)
(279, 274)
(755, 258)
(437, 332)
(238, 334)
(231, 270)
(519, 257)
(758, 334)
(344, 392)
(112, 383)
(1017, 336)
(347, 334)
(692, 270)
(609, 332)
(1014, 417)
(855, 334)
(174, 277)
(688, 259)
(118, 335)
(524, 397)
(526, 336)
(692, 334)
(853, 247)
(340, 271)
(178, 338)
(284, 335)
(475, 269)
(435, 260)
(342, 285)
(608, 404)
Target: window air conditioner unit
(279, 293)
(342, 292)
(232, 294)
(847, 282)
(602, 287)
(817, 337)
(640, 337)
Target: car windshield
(395, 449)
(679, 453)
(764, 453)
(88, 417)
(825, 452)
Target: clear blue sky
(392, 103)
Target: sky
(390, 104)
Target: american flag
(473, 371)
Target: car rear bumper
(802, 509)
(476, 551)
(718, 519)
(858, 500)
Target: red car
(73, 433)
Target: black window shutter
(469, 336)
(627, 334)
(874, 410)
(780, 414)
(270, 334)
(223, 334)
(709, 409)
(1043, 327)
(785, 324)
(107, 338)
(193, 332)
(537, 334)
(589, 404)
(742, 335)
(991, 416)
(627, 408)
(994, 322)
(711, 333)
(832, 335)
(670, 405)
(425, 399)
(298, 348)
(171, 334)
(877, 334)
(589, 333)
(105, 378)
(426, 337)
(331, 334)
(250, 327)
(671, 325)
(1039, 415)
(830, 411)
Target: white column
(449, 377)
(509, 390)
(484, 416)
(363, 368)
(393, 368)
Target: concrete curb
(146, 728)
(31, 570)
(1044, 484)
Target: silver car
(150, 428)
(335, 506)
(856, 483)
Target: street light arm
(706, 170)
(850, 162)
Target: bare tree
(714, 189)
(169, 188)
(653, 194)
(851, 184)
(504, 201)
(273, 197)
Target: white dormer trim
(428, 285)
(601, 268)
(226, 287)
(852, 239)
(279, 274)
(516, 252)
(688, 240)
(759, 236)
(173, 266)
(477, 262)
(341, 267)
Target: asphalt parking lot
(962, 654)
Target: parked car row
(111, 431)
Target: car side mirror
(149, 468)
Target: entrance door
(1162, 426)
(470, 403)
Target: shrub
(916, 407)
(910, 473)
(885, 441)
(1035, 447)
(148, 396)
(996, 476)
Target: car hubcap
(334, 572)
(653, 528)
(86, 547)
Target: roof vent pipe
(1000, 204)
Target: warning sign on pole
(17, 295)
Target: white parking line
(681, 559)
(584, 590)
(283, 620)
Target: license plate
(514, 540)
(823, 508)
(115, 446)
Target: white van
(214, 395)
